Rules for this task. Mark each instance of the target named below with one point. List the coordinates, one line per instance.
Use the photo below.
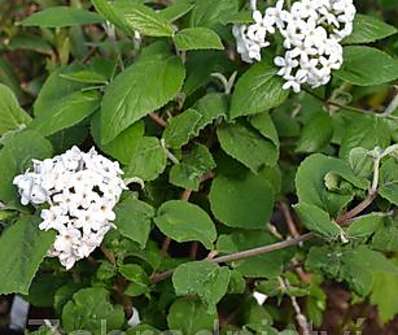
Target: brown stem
(346, 217)
(285, 209)
(158, 120)
(343, 220)
(291, 226)
(108, 254)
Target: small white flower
(81, 190)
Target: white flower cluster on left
(81, 190)
(311, 31)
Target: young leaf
(181, 128)
(184, 222)
(368, 29)
(138, 278)
(148, 159)
(197, 39)
(188, 124)
(310, 183)
(244, 202)
(191, 316)
(134, 219)
(60, 16)
(247, 146)
(364, 66)
(318, 221)
(89, 309)
(193, 166)
(12, 115)
(203, 278)
(258, 90)
(389, 181)
(22, 248)
(142, 88)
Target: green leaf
(383, 295)
(316, 134)
(366, 225)
(367, 132)
(259, 89)
(75, 108)
(210, 14)
(388, 188)
(142, 88)
(107, 10)
(185, 222)
(364, 66)
(264, 124)
(386, 237)
(148, 159)
(138, 277)
(181, 128)
(89, 309)
(266, 266)
(62, 104)
(247, 146)
(197, 39)
(368, 29)
(16, 156)
(31, 42)
(203, 278)
(318, 221)
(22, 249)
(177, 10)
(143, 19)
(244, 202)
(208, 61)
(188, 124)
(123, 146)
(190, 316)
(360, 162)
(12, 116)
(60, 16)
(134, 219)
(311, 188)
(191, 169)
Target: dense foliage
(246, 191)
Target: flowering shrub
(199, 166)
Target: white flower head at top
(311, 32)
(81, 190)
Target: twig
(109, 255)
(304, 276)
(158, 120)
(291, 226)
(300, 317)
(343, 220)
(336, 104)
(346, 217)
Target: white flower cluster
(81, 190)
(312, 31)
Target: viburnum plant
(198, 166)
